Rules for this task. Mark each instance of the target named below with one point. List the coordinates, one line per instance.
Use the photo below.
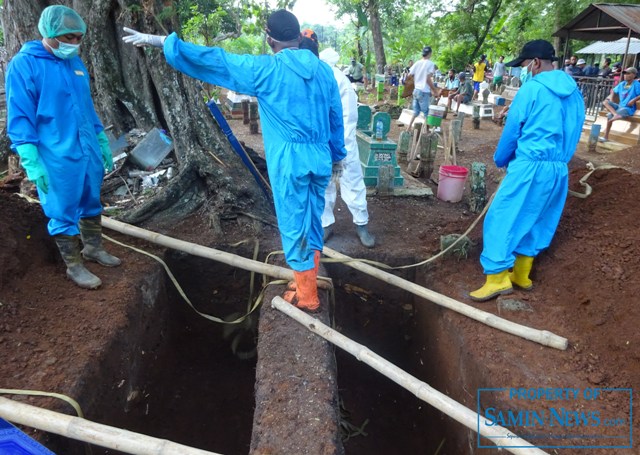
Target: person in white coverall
(352, 188)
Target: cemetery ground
(142, 362)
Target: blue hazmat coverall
(49, 105)
(540, 137)
(301, 116)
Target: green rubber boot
(69, 246)
(520, 275)
(91, 233)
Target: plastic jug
(379, 130)
(151, 150)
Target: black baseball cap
(283, 26)
(539, 48)
(426, 50)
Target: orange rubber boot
(290, 294)
(307, 290)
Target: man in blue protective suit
(53, 126)
(302, 126)
(539, 139)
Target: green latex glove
(107, 157)
(33, 166)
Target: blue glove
(107, 157)
(142, 39)
(33, 166)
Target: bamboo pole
(199, 250)
(543, 337)
(455, 410)
(539, 336)
(91, 432)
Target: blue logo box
(555, 417)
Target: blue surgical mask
(526, 73)
(66, 50)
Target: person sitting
(355, 71)
(628, 92)
(451, 84)
(463, 94)
(592, 71)
(578, 70)
(605, 71)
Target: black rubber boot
(69, 246)
(91, 233)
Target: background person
(301, 139)
(463, 95)
(423, 71)
(354, 71)
(540, 137)
(628, 92)
(53, 126)
(605, 71)
(478, 75)
(498, 73)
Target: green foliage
(458, 31)
(202, 28)
(245, 44)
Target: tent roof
(603, 21)
(612, 47)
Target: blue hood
(300, 61)
(37, 49)
(558, 82)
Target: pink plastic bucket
(451, 183)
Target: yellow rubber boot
(520, 274)
(496, 284)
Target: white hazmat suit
(352, 188)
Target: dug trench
(136, 356)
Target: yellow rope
(39, 393)
(209, 317)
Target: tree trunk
(480, 39)
(376, 34)
(135, 88)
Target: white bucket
(436, 111)
(451, 183)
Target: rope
(583, 181)
(173, 279)
(39, 393)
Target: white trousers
(352, 191)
